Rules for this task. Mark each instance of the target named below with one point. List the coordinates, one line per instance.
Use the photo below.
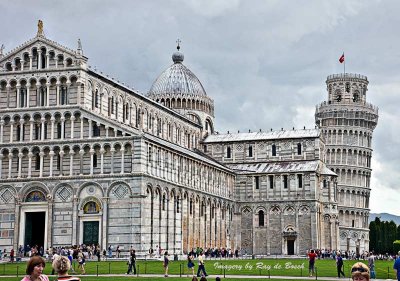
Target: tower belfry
(347, 122)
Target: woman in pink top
(34, 270)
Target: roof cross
(178, 42)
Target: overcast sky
(263, 62)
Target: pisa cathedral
(86, 159)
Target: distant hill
(385, 217)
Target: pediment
(40, 44)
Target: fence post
(269, 274)
(138, 268)
(388, 273)
(145, 267)
(180, 270)
(17, 270)
(4, 269)
(109, 267)
(316, 273)
(301, 272)
(224, 273)
(97, 270)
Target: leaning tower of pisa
(347, 122)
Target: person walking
(396, 266)
(311, 262)
(190, 263)
(201, 268)
(360, 272)
(371, 265)
(165, 264)
(132, 262)
(61, 265)
(339, 265)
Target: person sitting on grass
(360, 272)
(61, 265)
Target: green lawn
(263, 267)
(155, 279)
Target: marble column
(30, 155)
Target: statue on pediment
(40, 28)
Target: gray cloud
(263, 62)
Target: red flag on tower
(341, 59)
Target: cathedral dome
(177, 80)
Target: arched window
(177, 205)
(228, 152)
(348, 87)
(96, 130)
(42, 96)
(37, 161)
(299, 149)
(23, 97)
(64, 95)
(261, 218)
(273, 150)
(96, 99)
(356, 97)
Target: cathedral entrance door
(90, 232)
(34, 228)
(290, 247)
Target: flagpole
(344, 66)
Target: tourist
(396, 266)
(34, 269)
(165, 263)
(190, 264)
(81, 262)
(109, 251)
(118, 251)
(12, 255)
(311, 262)
(55, 256)
(132, 262)
(339, 265)
(61, 265)
(371, 265)
(360, 272)
(201, 265)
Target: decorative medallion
(64, 193)
(343, 235)
(120, 191)
(275, 210)
(90, 190)
(6, 196)
(239, 147)
(291, 177)
(261, 145)
(304, 210)
(289, 211)
(246, 211)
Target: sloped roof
(292, 134)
